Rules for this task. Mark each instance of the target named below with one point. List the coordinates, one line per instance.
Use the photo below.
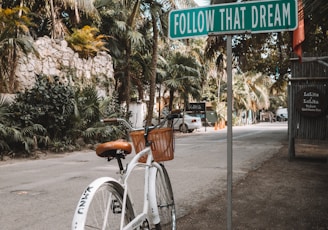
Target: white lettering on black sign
(196, 106)
(310, 102)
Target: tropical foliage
(183, 78)
(134, 33)
(269, 53)
(49, 103)
(13, 38)
(54, 116)
(86, 41)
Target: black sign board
(310, 102)
(199, 106)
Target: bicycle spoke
(105, 210)
(165, 201)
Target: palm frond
(135, 37)
(4, 146)
(121, 25)
(32, 130)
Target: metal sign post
(229, 126)
(229, 133)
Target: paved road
(42, 194)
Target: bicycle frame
(151, 168)
(150, 213)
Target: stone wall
(57, 59)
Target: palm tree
(158, 11)
(251, 92)
(121, 22)
(13, 38)
(58, 27)
(51, 11)
(316, 26)
(139, 15)
(183, 78)
(131, 22)
(196, 49)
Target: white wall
(138, 111)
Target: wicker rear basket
(162, 143)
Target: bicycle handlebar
(109, 120)
(172, 116)
(117, 120)
(127, 124)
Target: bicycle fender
(85, 200)
(152, 197)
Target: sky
(206, 2)
(203, 2)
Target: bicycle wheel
(165, 201)
(100, 207)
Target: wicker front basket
(162, 143)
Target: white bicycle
(106, 202)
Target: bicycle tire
(106, 197)
(165, 201)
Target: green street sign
(250, 17)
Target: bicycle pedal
(145, 225)
(116, 207)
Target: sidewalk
(210, 129)
(281, 194)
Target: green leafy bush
(92, 109)
(52, 115)
(16, 139)
(49, 103)
(86, 112)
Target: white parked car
(187, 124)
(282, 114)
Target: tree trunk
(153, 72)
(171, 100)
(128, 79)
(76, 10)
(21, 8)
(131, 24)
(170, 123)
(53, 18)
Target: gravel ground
(280, 194)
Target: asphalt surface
(42, 193)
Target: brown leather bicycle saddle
(108, 149)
